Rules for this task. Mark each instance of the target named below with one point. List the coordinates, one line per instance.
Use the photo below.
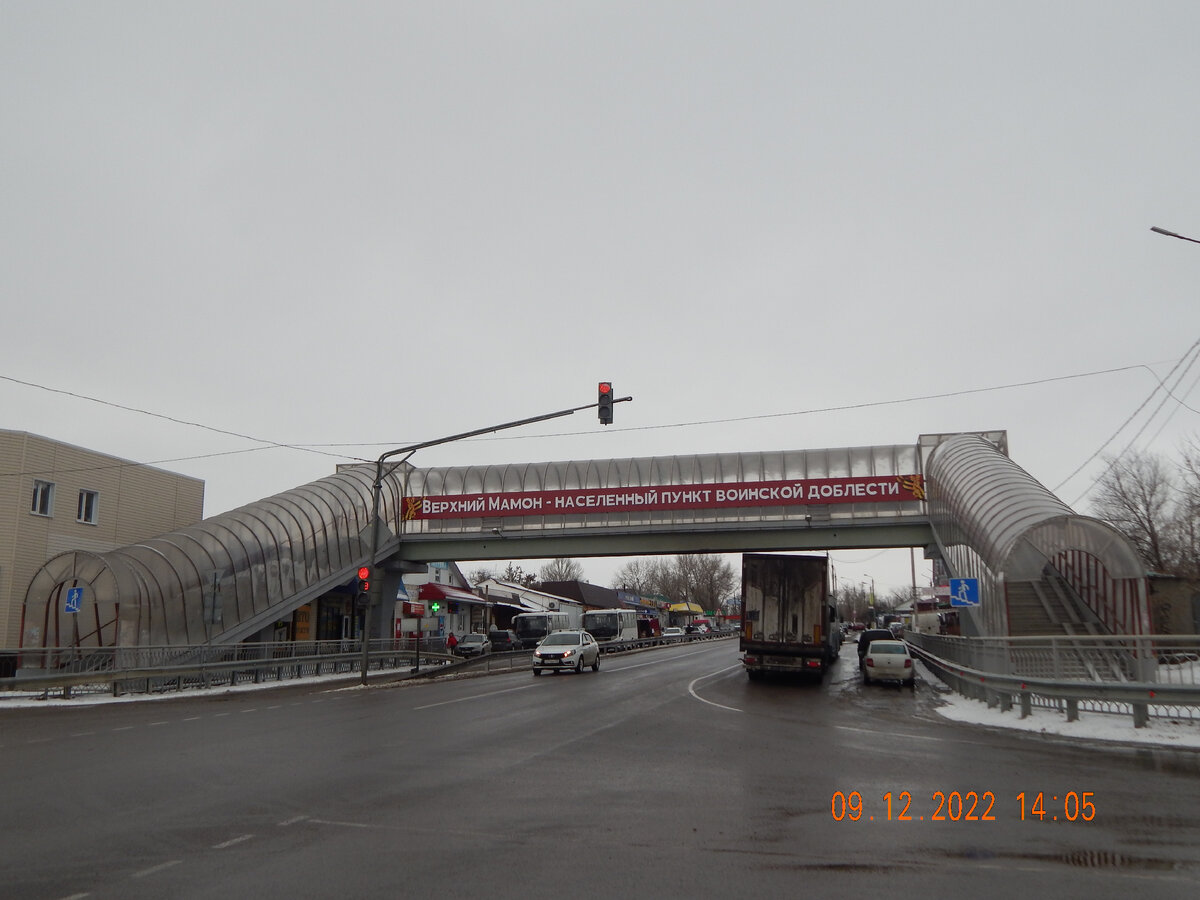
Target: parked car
(888, 661)
(871, 634)
(672, 632)
(503, 641)
(473, 645)
(566, 650)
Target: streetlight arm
(377, 490)
(1158, 230)
(492, 429)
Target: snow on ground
(1090, 726)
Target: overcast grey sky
(353, 226)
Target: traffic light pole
(377, 494)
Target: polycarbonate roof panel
(980, 498)
(659, 472)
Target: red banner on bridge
(725, 496)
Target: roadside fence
(1140, 675)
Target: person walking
(451, 642)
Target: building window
(88, 501)
(43, 498)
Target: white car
(473, 645)
(570, 650)
(888, 661)
(672, 632)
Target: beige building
(55, 497)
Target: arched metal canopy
(234, 574)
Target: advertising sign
(720, 496)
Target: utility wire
(317, 448)
(1168, 394)
(146, 412)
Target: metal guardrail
(510, 660)
(148, 670)
(1140, 675)
(160, 669)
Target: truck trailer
(788, 623)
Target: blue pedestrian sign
(964, 591)
(74, 599)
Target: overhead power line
(323, 449)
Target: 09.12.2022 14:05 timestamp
(964, 806)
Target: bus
(530, 628)
(611, 624)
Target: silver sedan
(570, 650)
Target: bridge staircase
(1051, 608)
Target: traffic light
(605, 406)
(364, 579)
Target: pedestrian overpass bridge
(958, 497)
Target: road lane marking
(474, 697)
(873, 732)
(153, 869)
(653, 662)
(695, 681)
(229, 843)
(292, 821)
(342, 824)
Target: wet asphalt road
(666, 774)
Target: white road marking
(342, 824)
(871, 731)
(153, 869)
(229, 843)
(475, 697)
(695, 681)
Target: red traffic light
(604, 406)
(364, 572)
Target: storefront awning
(433, 591)
(687, 608)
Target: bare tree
(483, 573)
(709, 578)
(640, 576)
(514, 574)
(562, 569)
(702, 578)
(1188, 520)
(1137, 496)
(853, 603)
